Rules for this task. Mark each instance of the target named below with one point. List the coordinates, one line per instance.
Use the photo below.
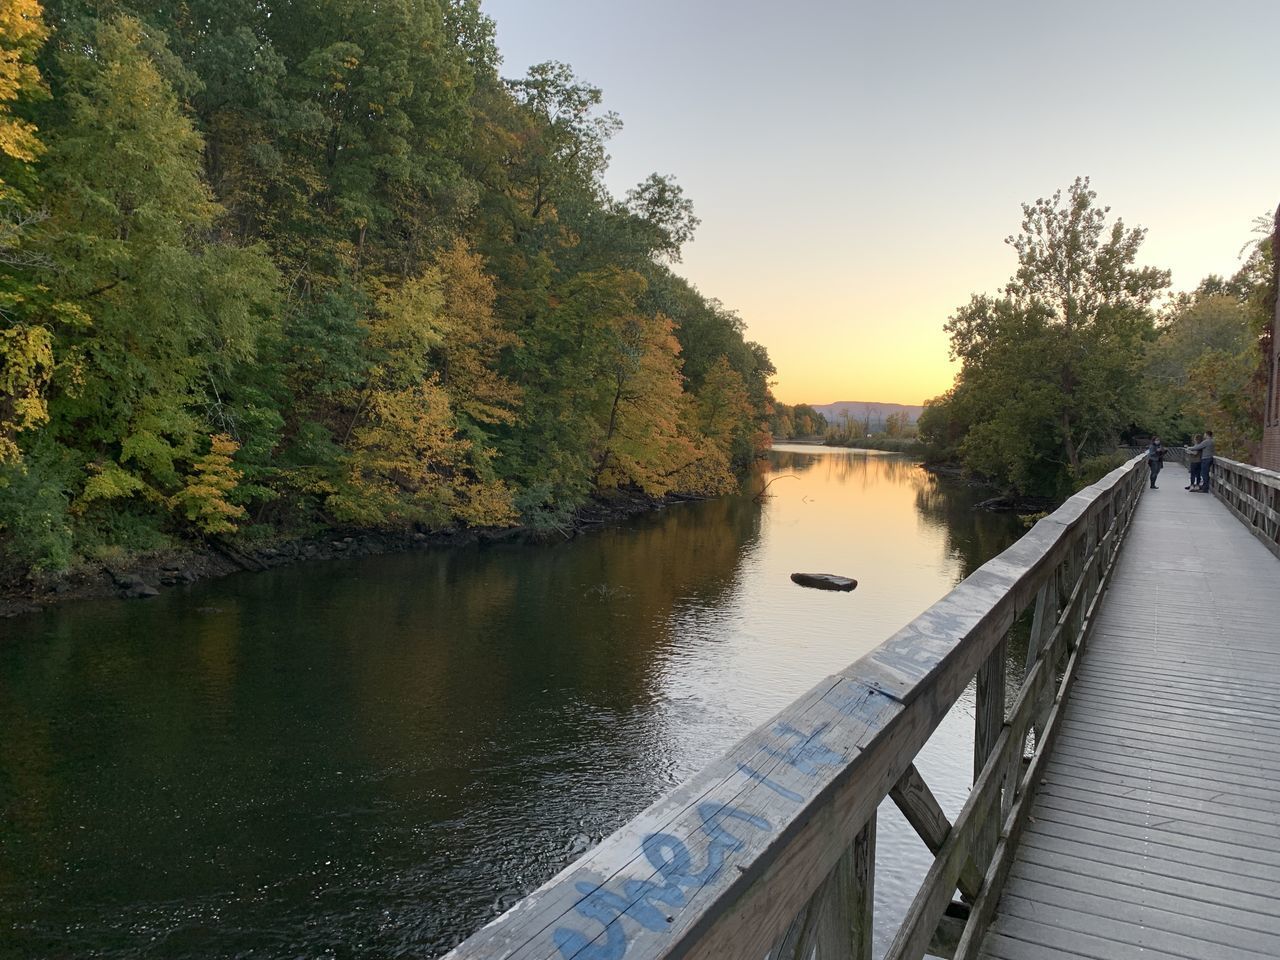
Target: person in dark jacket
(1205, 449)
(1193, 464)
(1155, 459)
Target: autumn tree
(22, 33)
(1207, 367)
(161, 310)
(273, 266)
(642, 444)
(26, 344)
(410, 458)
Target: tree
(410, 459)
(22, 33)
(472, 339)
(1051, 366)
(26, 344)
(318, 262)
(724, 411)
(660, 204)
(1208, 367)
(128, 210)
(642, 443)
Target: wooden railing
(1172, 454)
(770, 851)
(1253, 495)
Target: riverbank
(147, 574)
(290, 759)
(906, 445)
(1004, 501)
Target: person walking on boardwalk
(1155, 459)
(1193, 464)
(1205, 449)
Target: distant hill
(861, 410)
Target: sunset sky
(856, 166)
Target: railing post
(862, 901)
(1039, 648)
(838, 920)
(988, 723)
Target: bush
(35, 530)
(1094, 469)
(910, 445)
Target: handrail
(1253, 495)
(770, 851)
(1177, 454)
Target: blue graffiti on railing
(670, 857)
(643, 901)
(807, 754)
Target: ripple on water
(371, 758)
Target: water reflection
(369, 758)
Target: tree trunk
(1068, 444)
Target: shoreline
(147, 574)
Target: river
(370, 758)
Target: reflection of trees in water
(973, 536)
(403, 710)
(846, 465)
(588, 618)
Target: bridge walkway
(1155, 830)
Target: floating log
(824, 581)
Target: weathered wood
(798, 942)
(858, 926)
(1252, 494)
(1147, 825)
(726, 864)
(988, 724)
(950, 929)
(837, 921)
(824, 581)
(993, 886)
(921, 809)
(1006, 756)
(935, 891)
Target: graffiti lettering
(672, 861)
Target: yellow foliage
(709, 474)
(22, 31)
(408, 465)
(26, 365)
(473, 338)
(406, 328)
(107, 481)
(645, 444)
(434, 341)
(203, 497)
(724, 407)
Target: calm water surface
(370, 758)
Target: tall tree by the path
(1051, 367)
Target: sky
(857, 166)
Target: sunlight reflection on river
(368, 758)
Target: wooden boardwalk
(1155, 831)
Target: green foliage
(35, 520)
(1094, 469)
(907, 445)
(1050, 367)
(801, 420)
(1207, 369)
(274, 266)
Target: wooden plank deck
(1155, 831)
